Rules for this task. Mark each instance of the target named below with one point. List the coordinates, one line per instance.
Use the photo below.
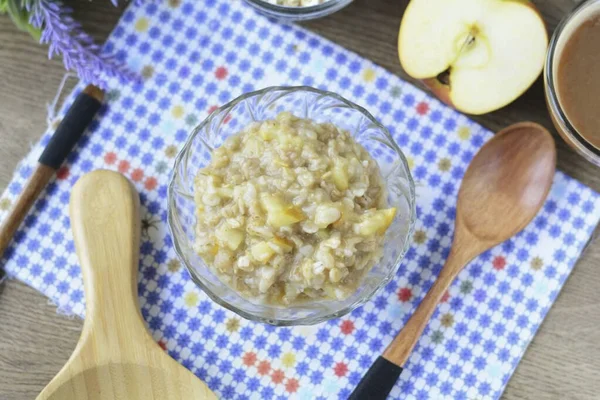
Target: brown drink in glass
(572, 79)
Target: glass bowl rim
(411, 199)
(291, 11)
(583, 147)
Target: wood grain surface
(562, 362)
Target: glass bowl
(320, 106)
(287, 13)
(557, 113)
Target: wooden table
(563, 360)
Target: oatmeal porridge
(290, 210)
(296, 3)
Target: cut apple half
(476, 55)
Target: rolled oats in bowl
(297, 10)
(296, 3)
(290, 210)
(280, 216)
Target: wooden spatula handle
(106, 227)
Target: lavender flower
(65, 36)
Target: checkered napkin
(195, 55)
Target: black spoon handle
(378, 381)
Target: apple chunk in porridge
(290, 210)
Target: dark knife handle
(72, 127)
(70, 130)
(378, 381)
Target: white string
(53, 107)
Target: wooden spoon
(502, 190)
(116, 358)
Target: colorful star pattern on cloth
(196, 55)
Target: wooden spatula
(116, 358)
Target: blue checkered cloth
(198, 54)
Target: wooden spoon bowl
(505, 185)
(116, 358)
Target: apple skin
(442, 90)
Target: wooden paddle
(116, 358)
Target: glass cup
(287, 13)
(563, 32)
(320, 106)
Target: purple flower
(65, 37)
